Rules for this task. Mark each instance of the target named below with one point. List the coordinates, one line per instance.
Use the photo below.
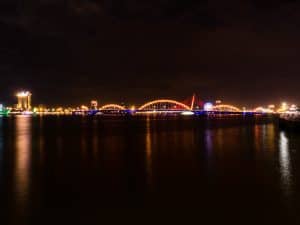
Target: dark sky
(72, 51)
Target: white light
(187, 113)
(284, 105)
(208, 106)
(284, 160)
(23, 94)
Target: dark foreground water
(81, 170)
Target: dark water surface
(82, 170)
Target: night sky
(132, 51)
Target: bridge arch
(226, 108)
(164, 101)
(259, 109)
(112, 107)
(263, 110)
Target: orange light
(229, 107)
(112, 106)
(164, 101)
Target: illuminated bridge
(163, 106)
(226, 108)
(168, 106)
(109, 109)
(112, 107)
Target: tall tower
(24, 100)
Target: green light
(4, 112)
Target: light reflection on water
(264, 137)
(22, 159)
(168, 158)
(285, 164)
(95, 140)
(148, 153)
(208, 141)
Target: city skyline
(194, 103)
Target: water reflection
(209, 141)
(143, 162)
(22, 159)
(264, 137)
(257, 137)
(284, 160)
(95, 140)
(220, 138)
(271, 137)
(148, 152)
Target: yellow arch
(262, 109)
(114, 106)
(259, 109)
(164, 101)
(230, 107)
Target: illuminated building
(94, 105)
(283, 108)
(218, 102)
(24, 100)
(293, 108)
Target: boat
(290, 119)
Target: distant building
(94, 105)
(218, 102)
(24, 100)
